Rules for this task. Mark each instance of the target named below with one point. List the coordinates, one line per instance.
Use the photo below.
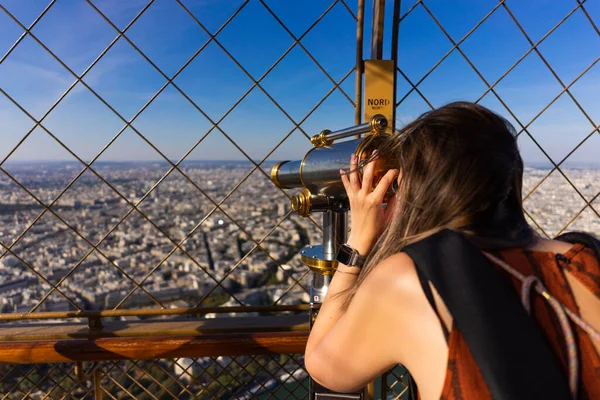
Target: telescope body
(318, 173)
(319, 170)
(318, 177)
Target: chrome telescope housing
(318, 173)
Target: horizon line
(536, 164)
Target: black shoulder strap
(510, 349)
(583, 238)
(429, 294)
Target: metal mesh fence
(394, 384)
(179, 232)
(130, 232)
(248, 377)
(556, 198)
(244, 377)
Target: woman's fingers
(345, 181)
(384, 183)
(353, 174)
(367, 178)
(352, 183)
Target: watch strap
(350, 257)
(356, 260)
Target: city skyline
(178, 247)
(594, 164)
(77, 34)
(217, 261)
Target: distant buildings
(234, 246)
(136, 258)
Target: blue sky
(167, 35)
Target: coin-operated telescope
(317, 174)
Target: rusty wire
(393, 383)
(491, 88)
(121, 34)
(398, 387)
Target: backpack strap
(510, 349)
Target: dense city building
(220, 233)
(148, 245)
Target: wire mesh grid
(179, 245)
(394, 384)
(244, 377)
(556, 199)
(175, 244)
(181, 242)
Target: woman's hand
(368, 218)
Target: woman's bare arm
(346, 350)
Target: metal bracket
(95, 323)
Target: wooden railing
(94, 351)
(95, 356)
(123, 340)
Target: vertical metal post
(377, 35)
(379, 74)
(360, 65)
(395, 40)
(395, 28)
(377, 54)
(335, 228)
(98, 384)
(334, 232)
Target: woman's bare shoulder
(396, 266)
(395, 279)
(550, 246)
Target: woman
(457, 168)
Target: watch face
(344, 254)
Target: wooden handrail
(140, 348)
(122, 340)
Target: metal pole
(98, 384)
(334, 232)
(395, 29)
(377, 36)
(335, 229)
(360, 65)
(377, 54)
(395, 39)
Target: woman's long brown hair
(460, 169)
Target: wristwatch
(350, 257)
